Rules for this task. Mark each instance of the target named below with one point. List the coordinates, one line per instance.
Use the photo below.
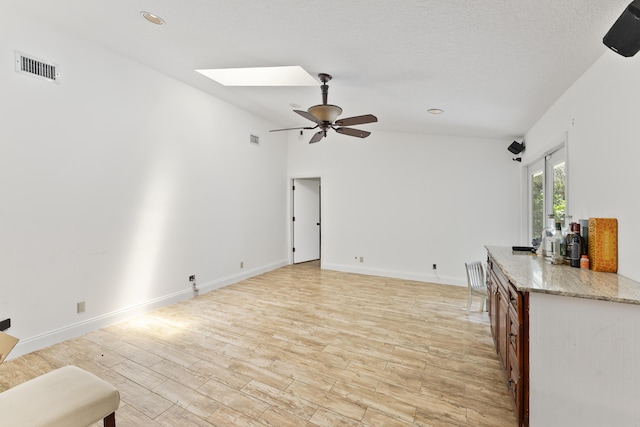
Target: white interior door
(306, 220)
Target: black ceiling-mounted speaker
(516, 147)
(624, 36)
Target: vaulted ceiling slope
(494, 66)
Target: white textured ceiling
(494, 66)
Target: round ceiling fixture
(435, 111)
(154, 19)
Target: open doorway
(306, 230)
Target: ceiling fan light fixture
(325, 112)
(324, 116)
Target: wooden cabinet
(508, 314)
(584, 341)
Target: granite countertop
(531, 273)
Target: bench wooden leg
(110, 420)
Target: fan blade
(278, 130)
(353, 132)
(357, 120)
(308, 116)
(317, 137)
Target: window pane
(537, 204)
(559, 193)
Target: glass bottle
(563, 249)
(558, 245)
(575, 250)
(566, 227)
(547, 236)
(567, 243)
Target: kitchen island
(568, 340)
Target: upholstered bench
(66, 397)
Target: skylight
(261, 76)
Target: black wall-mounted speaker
(516, 147)
(624, 36)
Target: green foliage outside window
(559, 198)
(537, 205)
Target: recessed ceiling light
(261, 76)
(435, 111)
(294, 105)
(154, 19)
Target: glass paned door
(536, 200)
(547, 185)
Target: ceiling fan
(324, 116)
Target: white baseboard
(229, 280)
(394, 274)
(56, 336)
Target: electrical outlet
(361, 259)
(81, 307)
(241, 264)
(192, 278)
(434, 266)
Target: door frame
(290, 236)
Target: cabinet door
(514, 383)
(514, 338)
(503, 328)
(492, 288)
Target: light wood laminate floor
(297, 346)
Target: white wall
(118, 184)
(407, 201)
(600, 114)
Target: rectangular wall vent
(254, 139)
(37, 68)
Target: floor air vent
(37, 68)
